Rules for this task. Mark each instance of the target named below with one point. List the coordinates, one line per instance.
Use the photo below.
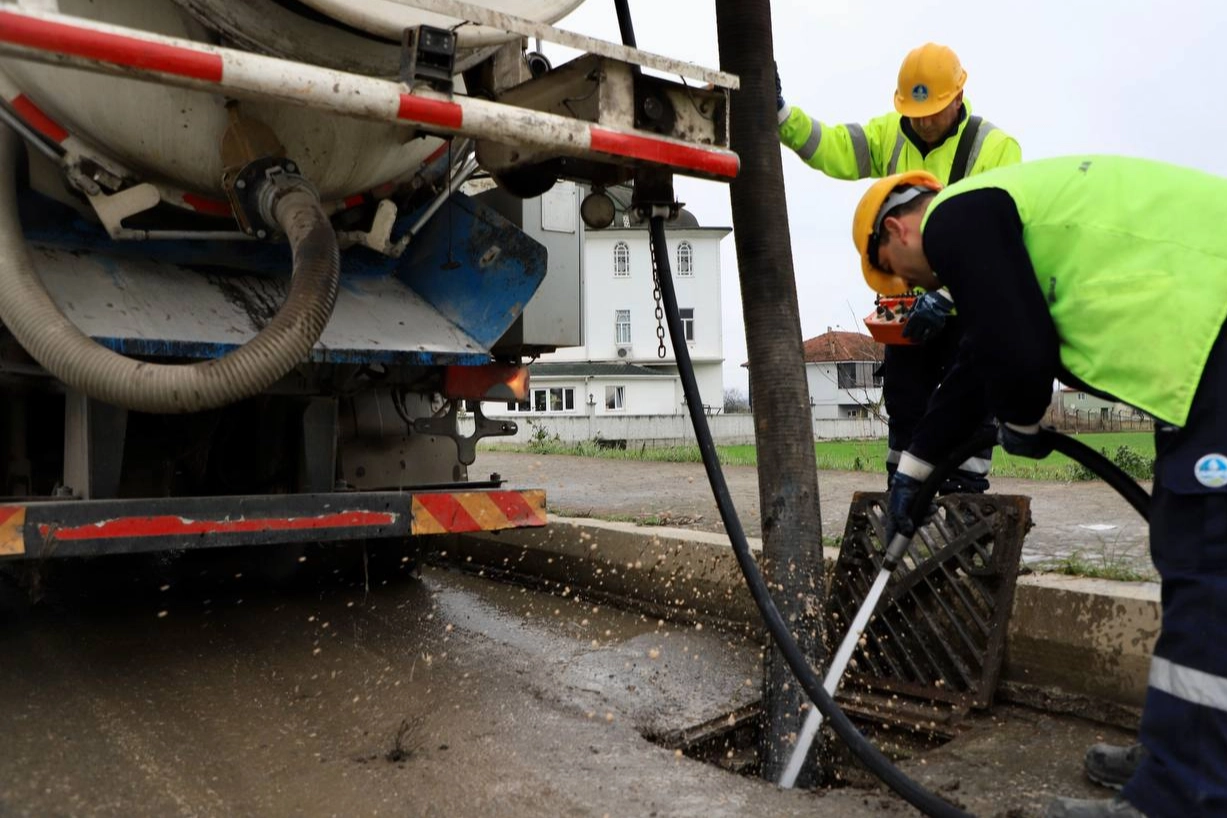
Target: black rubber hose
(1111, 473)
(869, 755)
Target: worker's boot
(1093, 808)
(1110, 765)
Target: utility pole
(787, 472)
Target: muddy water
(193, 687)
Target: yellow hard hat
(882, 197)
(929, 79)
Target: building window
(687, 315)
(552, 399)
(858, 375)
(685, 259)
(622, 326)
(1081, 396)
(615, 397)
(622, 260)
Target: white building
(618, 369)
(840, 371)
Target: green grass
(1076, 565)
(1133, 450)
(869, 455)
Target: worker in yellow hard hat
(931, 130)
(1110, 274)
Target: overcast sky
(1140, 78)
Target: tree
(735, 401)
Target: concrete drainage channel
(1072, 645)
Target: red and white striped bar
(63, 40)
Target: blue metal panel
(465, 278)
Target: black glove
(928, 316)
(1024, 441)
(779, 92)
(903, 491)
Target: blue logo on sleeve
(920, 92)
(1211, 470)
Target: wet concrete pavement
(1088, 519)
(194, 687)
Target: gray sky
(1133, 77)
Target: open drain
(731, 743)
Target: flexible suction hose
(870, 756)
(28, 311)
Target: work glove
(1024, 441)
(903, 490)
(781, 107)
(928, 316)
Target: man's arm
(840, 151)
(1009, 353)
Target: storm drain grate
(939, 632)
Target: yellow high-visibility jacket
(881, 147)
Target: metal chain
(660, 311)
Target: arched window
(685, 259)
(622, 260)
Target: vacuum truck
(244, 298)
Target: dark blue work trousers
(1184, 721)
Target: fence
(662, 430)
(1098, 420)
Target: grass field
(1134, 451)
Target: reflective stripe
(893, 455)
(810, 147)
(1189, 684)
(976, 465)
(860, 147)
(892, 168)
(986, 128)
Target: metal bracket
(428, 54)
(449, 426)
(541, 31)
(113, 208)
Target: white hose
(28, 311)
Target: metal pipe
(31, 136)
(459, 178)
(70, 41)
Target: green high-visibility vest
(1131, 256)
(879, 148)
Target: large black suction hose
(1077, 451)
(870, 756)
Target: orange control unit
(888, 318)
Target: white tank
(172, 136)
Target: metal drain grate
(939, 631)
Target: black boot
(1110, 765)
(1096, 808)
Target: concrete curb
(1073, 644)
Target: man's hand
(903, 491)
(928, 316)
(1024, 441)
(780, 105)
